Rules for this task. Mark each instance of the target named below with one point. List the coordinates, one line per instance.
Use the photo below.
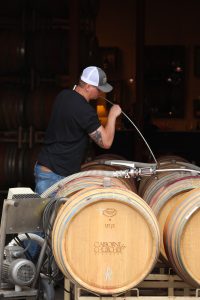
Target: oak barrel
(151, 185)
(165, 199)
(105, 240)
(11, 107)
(12, 52)
(39, 106)
(48, 52)
(79, 183)
(9, 158)
(109, 156)
(181, 237)
(17, 165)
(163, 162)
(168, 159)
(98, 164)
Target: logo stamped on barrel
(108, 247)
(109, 212)
(108, 274)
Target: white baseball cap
(97, 77)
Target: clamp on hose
(134, 169)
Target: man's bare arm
(97, 137)
(104, 136)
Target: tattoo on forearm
(97, 138)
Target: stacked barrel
(110, 233)
(174, 199)
(13, 93)
(105, 237)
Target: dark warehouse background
(150, 50)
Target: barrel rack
(161, 284)
(154, 287)
(22, 136)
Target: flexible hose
(136, 129)
(32, 236)
(57, 185)
(120, 173)
(179, 170)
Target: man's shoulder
(65, 92)
(70, 94)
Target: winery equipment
(20, 277)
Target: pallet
(158, 286)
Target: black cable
(50, 209)
(25, 252)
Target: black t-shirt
(66, 138)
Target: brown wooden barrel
(163, 162)
(48, 52)
(152, 184)
(39, 105)
(17, 165)
(9, 157)
(170, 159)
(79, 183)
(181, 237)
(110, 156)
(159, 183)
(11, 107)
(105, 239)
(12, 52)
(28, 158)
(98, 164)
(165, 199)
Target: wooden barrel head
(106, 240)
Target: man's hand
(104, 136)
(115, 111)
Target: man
(72, 122)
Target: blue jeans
(43, 180)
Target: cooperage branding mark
(111, 226)
(108, 274)
(109, 212)
(108, 247)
